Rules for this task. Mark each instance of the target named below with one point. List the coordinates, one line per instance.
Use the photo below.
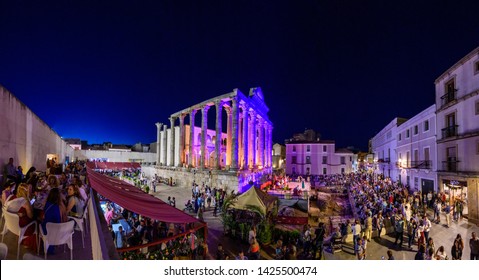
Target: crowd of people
(44, 198)
(380, 203)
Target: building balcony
(448, 98)
(449, 131)
(384, 160)
(421, 164)
(450, 166)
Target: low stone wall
(184, 177)
(222, 179)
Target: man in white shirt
(356, 232)
(427, 227)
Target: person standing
(356, 232)
(10, 171)
(474, 245)
(19, 175)
(254, 250)
(120, 238)
(380, 224)
(457, 247)
(361, 251)
(411, 232)
(399, 230)
(427, 227)
(369, 227)
(447, 213)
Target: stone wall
(116, 156)
(25, 137)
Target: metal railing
(384, 160)
(421, 164)
(448, 97)
(449, 131)
(450, 165)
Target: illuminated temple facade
(236, 152)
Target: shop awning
(135, 200)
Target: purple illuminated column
(182, 140)
(270, 145)
(245, 137)
(158, 133)
(234, 140)
(253, 140)
(219, 110)
(261, 141)
(229, 123)
(192, 137)
(204, 127)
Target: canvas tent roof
(255, 197)
(294, 203)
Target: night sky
(109, 70)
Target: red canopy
(134, 199)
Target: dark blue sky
(108, 70)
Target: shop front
(464, 190)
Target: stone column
(229, 135)
(240, 141)
(158, 135)
(204, 127)
(266, 144)
(245, 138)
(253, 140)
(234, 140)
(163, 144)
(261, 142)
(182, 140)
(192, 137)
(219, 110)
(172, 141)
(270, 145)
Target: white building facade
(317, 158)
(416, 151)
(457, 102)
(383, 146)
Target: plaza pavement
(376, 249)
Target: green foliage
(265, 233)
(285, 235)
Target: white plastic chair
(12, 225)
(30, 256)
(12, 205)
(82, 222)
(3, 251)
(58, 234)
